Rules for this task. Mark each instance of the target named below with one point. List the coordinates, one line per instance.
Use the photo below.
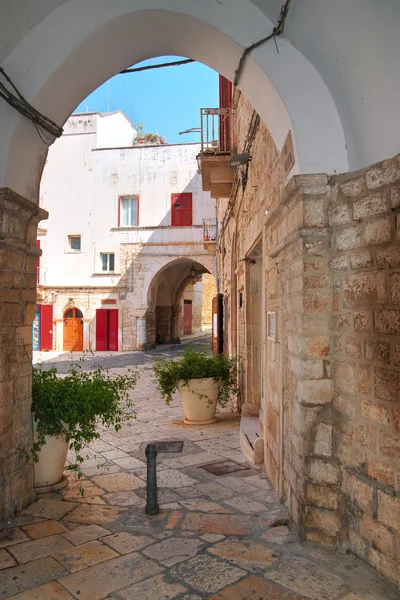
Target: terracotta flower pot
(199, 400)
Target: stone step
(251, 439)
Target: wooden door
(46, 326)
(107, 329)
(73, 330)
(187, 317)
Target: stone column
(141, 333)
(18, 274)
(175, 324)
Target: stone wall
(364, 220)
(209, 291)
(18, 272)
(163, 324)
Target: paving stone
(255, 588)
(105, 470)
(94, 515)
(155, 588)
(124, 499)
(112, 454)
(245, 553)
(48, 591)
(43, 529)
(33, 574)
(85, 534)
(188, 492)
(247, 505)
(73, 492)
(85, 555)
(259, 482)
(35, 549)
(173, 519)
(308, 579)
(125, 543)
(204, 505)
(129, 462)
(9, 537)
(206, 574)
(174, 550)
(214, 491)
(279, 535)
(199, 458)
(164, 495)
(171, 478)
(225, 524)
(212, 537)
(119, 482)
(6, 560)
(97, 582)
(49, 508)
(237, 484)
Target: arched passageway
(179, 300)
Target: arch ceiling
(334, 81)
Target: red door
(187, 317)
(107, 329)
(46, 327)
(73, 330)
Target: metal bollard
(152, 507)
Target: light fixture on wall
(236, 160)
(193, 272)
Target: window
(128, 211)
(271, 325)
(181, 210)
(287, 154)
(74, 243)
(107, 262)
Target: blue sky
(164, 100)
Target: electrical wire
(44, 126)
(176, 63)
(277, 31)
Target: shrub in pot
(67, 410)
(203, 382)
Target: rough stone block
(322, 496)
(369, 206)
(385, 565)
(375, 412)
(364, 379)
(365, 288)
(377, 349)
(365, 436)
(389, 255)
(339, 263)
(387, 384)
(361, 260)
(395, 197)
(380, 471)
(323, 472)
(348, 238)
(345, 377)
(342, 322)
(353, 188)
(389, 445)
(384, 174)
(315, 391)
(378, 535)
(322, 519)
(363, 321)
(323, 440)
(345, 404)
(314, 212)
(339, 215)
(394, 284)
(389, 510)
(316, 302)
(358, 492)
(387, 321)
(378, 231)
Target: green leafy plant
(197, 364)
(73, 405)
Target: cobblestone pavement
(221, 537)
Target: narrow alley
(221, 533)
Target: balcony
(216, 143)
(210, 235)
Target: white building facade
(123, 254)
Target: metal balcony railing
(209, 230)
(215, 130)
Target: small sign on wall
(109, 301)
(271, 325)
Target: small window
(181, 210)
(128, 215)
(287, 154)
(107, 262)
(74, 242)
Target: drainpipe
(216, 249)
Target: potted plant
(203, 382)
(66, 411)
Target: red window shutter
(46, 327)
(186, 200)
(101, 329)
(38, 263)
(181, 209)
(113, 329)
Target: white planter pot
(199, 410)
(49, 469)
